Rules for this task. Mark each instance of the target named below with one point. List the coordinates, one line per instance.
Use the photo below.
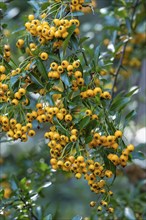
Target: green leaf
(49, 99)
(72, 105)
(87, 77)
(130, 115)
(43, 166)
(44, 5)
(121, 12)
(42, 68)
(23, 181)
(34, 4)
(33, 87)
(3, 6)
(88, 139)
(48, 217)
(44, 186)
(84, 122)
(1, 193)
(83, 39)
(92, 124)
(14, 79)
(60, 126)
(65, 79)
(66, 42)
(97, 53)
(129, 94)
(128, 24)
(138, 155)
(36, 80)
(123, 2)
(77, 218)
(75, 43)
(120, 104)
(114, 37)
(18, 30)
(129, 214)
(54, 57)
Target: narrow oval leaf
(48, 217)
(77, 217)
(138, 155)
(84, 122)
(129, 214)
(66, 42)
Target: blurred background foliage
(29, 186)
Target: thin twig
(118, 68)
(85, 59)
(123, 51)
(133, 13)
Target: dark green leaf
(33, 87)
(3, 6)
(36, 80)
(75, 43)
(87, 77)
(92, 124)
(60, 126)
(49, 99)
(1, 193)
(54, 57)
(13, 80)
(130, 115)
(83, 39)
(97, 53)
(66, 42)
(138, 155)
(88, 139)
(129, 94)
(42, 69)
(48, 217)
(120, 104)
(44, 5)
(84, 122)
(65, 79)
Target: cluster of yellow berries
(75, 5)
(123, 158)
(16, 130)
(7, 95)
(7, 52)
(73, 148)
(45, 32)
(2, 73)
(93, 92)
(75, 75)
(64, 152)
(4, 92)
